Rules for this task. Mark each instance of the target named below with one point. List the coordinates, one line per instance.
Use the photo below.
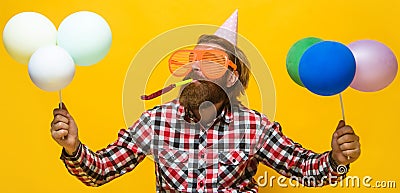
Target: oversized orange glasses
(212, 63)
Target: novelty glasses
(212, 63)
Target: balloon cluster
(83, 38)
(327, 68)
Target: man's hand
(345, 144)
(64, 130)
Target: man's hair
(237, 56)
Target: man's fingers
(64, 107)
(340, 124)
(58, 111)
(349, 146)
(347, 138)
(60, 134)
(353, 153)
(343, 131)
(59, 126)
(59, 118)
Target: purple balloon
(376, 65)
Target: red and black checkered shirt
(191, 158)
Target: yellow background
(29, 157)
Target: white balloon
(86, 36)
(51, 68)
(25, 33)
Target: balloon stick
(60, 105)
(341, 104)
(60, 96)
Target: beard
(200, 91)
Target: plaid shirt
(222, 157)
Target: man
(206, 140)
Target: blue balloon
(327, 68)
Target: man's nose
(197, 70)
(196, 66)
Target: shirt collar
(180, 109)
(226, 115)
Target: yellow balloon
(25, 33)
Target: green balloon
(294, 55)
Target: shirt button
(201, 183)
(202, 155)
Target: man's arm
(292, 160)
(98, 168)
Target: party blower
(165, 90)
(83, 38)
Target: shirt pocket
(173, 158)
(231, 165)
(172, 168)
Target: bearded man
(205, 140)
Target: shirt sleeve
(118, 158)
(290, 159)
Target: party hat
(228, 30)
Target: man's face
(203, 90)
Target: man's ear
(232, 78)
